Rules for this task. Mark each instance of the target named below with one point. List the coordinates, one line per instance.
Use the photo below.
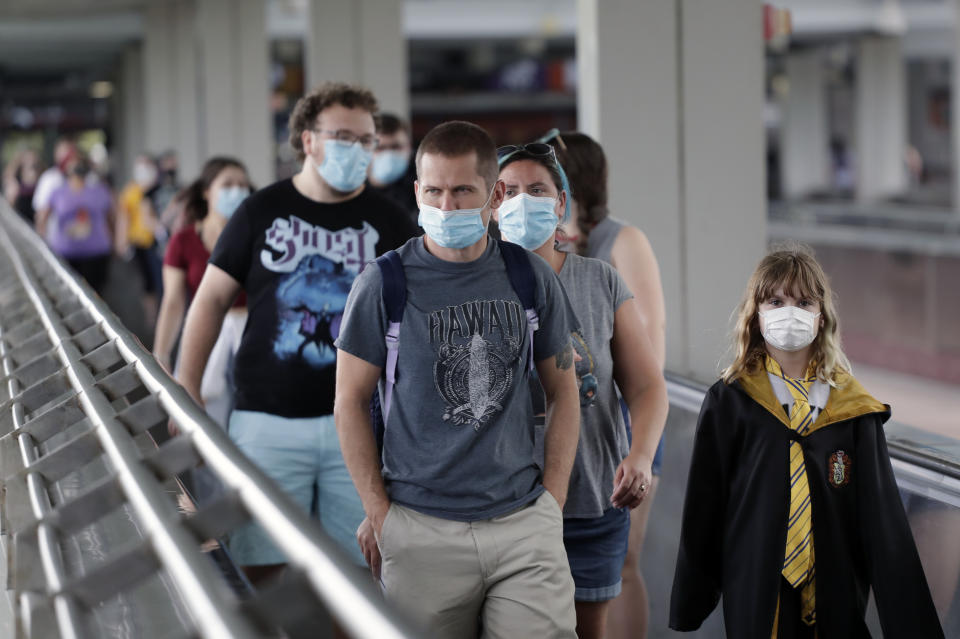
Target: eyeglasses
(346, 136)
(536, 149)
(393, 146)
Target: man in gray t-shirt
(462, 529)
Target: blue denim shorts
(596, 550)
(657, 464)
(303, 456)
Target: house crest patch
(839, 469)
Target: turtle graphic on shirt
(473, 379)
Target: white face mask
(789, 328)
(144, 174)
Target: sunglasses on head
(536, 149)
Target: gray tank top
(602, 237)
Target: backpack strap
(394, 291)
(524, 283)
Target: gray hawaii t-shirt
(459, 439)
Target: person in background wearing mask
(79, 223)
(463, 527)
(161, 196)
(392, 173)
(208, 202)
(167, 183)
(168, 186)
(137, 229)
(100, 165)
(20, 182)
(54, 177)
(295, 247)
(610, 475)
(592, 232)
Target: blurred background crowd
(855, 100)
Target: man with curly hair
(295, 247)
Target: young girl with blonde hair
(792, 512)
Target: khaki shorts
(504, 577)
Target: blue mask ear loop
(545, 139)
(566, 188)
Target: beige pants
(507, 576)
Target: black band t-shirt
(296, 259)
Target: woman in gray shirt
(592, 232)
(609, 476)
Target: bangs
(798, 277)
(547, 162)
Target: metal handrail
(177, 550)
(353, 602)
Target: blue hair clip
(566, 187)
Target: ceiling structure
(75, 42)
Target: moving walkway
(103, 539)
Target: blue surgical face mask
(389, 166)
(527, 220)
(229, 198)
(344, 166)
(453, 229)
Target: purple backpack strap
(524, 283)
(394, 293)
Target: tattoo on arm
(565, 358)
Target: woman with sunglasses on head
(610, 477)
(592, 232)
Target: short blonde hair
(793, 268)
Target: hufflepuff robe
(735, 517)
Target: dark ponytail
(586, 166)
(195, 205)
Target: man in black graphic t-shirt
(295, 248)
(296, 258)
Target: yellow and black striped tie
(798, 562)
